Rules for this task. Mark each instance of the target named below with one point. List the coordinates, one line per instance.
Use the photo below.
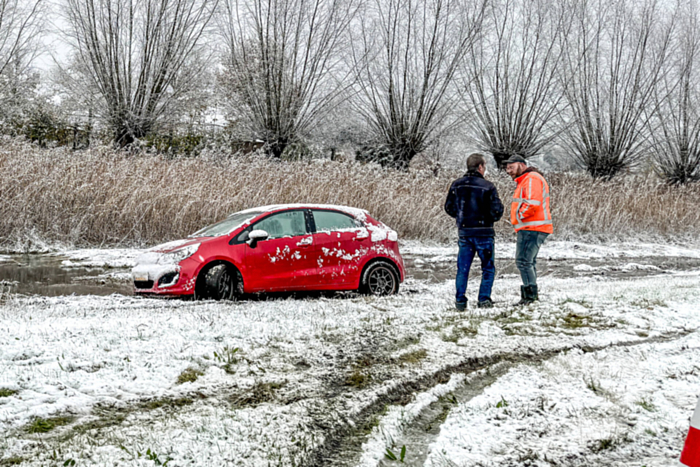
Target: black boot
(527, 295)
(533, 293)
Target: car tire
(220, 283)
(380, 278)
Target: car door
(340, 244)
(283, 261)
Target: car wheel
(220, 283)
(380, 278)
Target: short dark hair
(475, 161)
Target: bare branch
(282, 67)
(139, 56)
(510, 81)
(406, 57)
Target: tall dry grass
(105, 198)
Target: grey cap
(515, 158)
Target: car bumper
(165, 280)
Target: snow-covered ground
(132, 381)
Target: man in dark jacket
(474, 203)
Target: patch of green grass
(646, 404)
(373, 421)
(258, 394)
(593, 385)
(413, 357)
(574, 321)
(15, 460)
(5, 392)
(502, 403)
(603, 444)
(448, 401)
(358, 379)
(189, 375)
(44, 425)
(650, 432)
(406, 342)
(649, 303)
(458, 332)
(166, 402)
(227, 356)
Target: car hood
(176, 245)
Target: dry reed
(104, 198)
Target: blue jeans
(526, 249)
(484, 247)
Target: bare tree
(21, 22)
(139, 56)
(406, 56)
(510, 82)
(282, 67)
(614, 61)
(676, 128)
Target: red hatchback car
(276, 249)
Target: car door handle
(362, 235)
(305, 242)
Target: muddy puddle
(45, 274)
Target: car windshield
(227, 225)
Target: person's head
(476, 163)
(515, 166)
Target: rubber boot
(533, 293)
(526, 295)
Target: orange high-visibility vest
(530, 207)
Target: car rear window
(328, 221)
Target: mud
(44, 274)
(439, 269)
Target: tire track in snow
(342, 446)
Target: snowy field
(605, 370)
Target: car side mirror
(255, 236)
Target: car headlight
(178, 255)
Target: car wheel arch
(200, 282)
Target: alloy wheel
(381, 281)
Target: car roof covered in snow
(355, 212)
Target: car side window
(328, 221)
(283, 224)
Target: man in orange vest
(530, 216)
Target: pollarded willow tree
(282, 71)
(21, 21)
(140, 56)
(676, 126)
(615, 58)
(510, 77)
(406, 54)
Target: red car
(276, 249)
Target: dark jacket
(474, 202)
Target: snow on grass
(607, 312)
(258, 382)
(618, 406)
